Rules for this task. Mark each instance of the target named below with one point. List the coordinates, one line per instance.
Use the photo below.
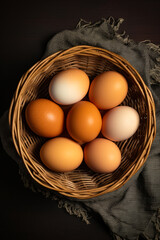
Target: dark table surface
(26, 27)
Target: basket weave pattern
(82, 183)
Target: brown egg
(84, 121)
(44, 117)
(108, 90)
(102, 155)
(61, 154)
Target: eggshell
(61, 154)
(120, 123)
(44, 117)
(69, 86)
(108, 89)
(84, 121)
(102, 155)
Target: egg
(44, 117)
(102, 155)
(61, 154)
(120, 123)
(69, 86)
(108, 89)
(84, 122)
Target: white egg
(69, 86)
(120, 123)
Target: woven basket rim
(85, 50)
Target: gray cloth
(134, 209)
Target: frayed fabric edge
(112, 22)
(71, 208)
(74, 209)
(115, 24)
(125, 39)
(155, 71)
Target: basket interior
(82, 178)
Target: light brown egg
(108, 90)
(61, 154)
(102, 155)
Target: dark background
(25, 28)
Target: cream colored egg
(69, 86)
(61, 154)
(120, 123)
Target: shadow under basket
(82, 183)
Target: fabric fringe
(74, 209)
(155, 71)
(71, 208)
(115, 25)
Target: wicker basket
(82, 183)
